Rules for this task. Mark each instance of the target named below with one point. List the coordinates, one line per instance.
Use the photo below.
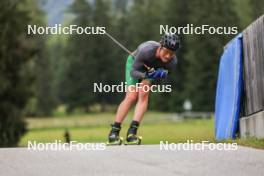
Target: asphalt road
(131, 160)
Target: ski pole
(127, 50)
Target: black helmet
(170, 41)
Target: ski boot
(114, 138)
(133, 139)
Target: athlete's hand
(159, 73)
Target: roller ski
(114, 138)
(115, 141)
(132, 138)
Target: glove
(159, 73)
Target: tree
(15, 70)
(89, 58)
(43, 101)
(205, 50)
(74, 85)
(106, 64)
(257, 9)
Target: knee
(143, 95)
(131, 98)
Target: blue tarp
(229, 89)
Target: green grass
(156, 126)
(250, 142)
(196, 130)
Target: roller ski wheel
(133, 139)
(117, 141)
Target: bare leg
(130, 99)
(142, 103)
